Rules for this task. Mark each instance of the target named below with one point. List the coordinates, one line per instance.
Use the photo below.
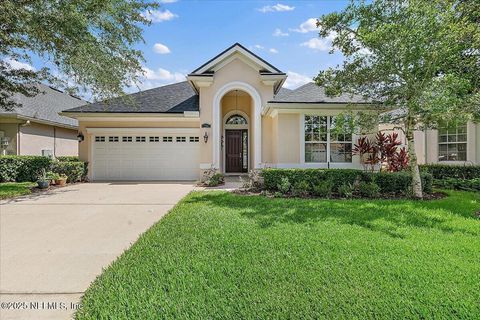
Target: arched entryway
(237, 106)
(236, 137)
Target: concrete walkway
(52, 246)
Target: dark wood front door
(236, 150)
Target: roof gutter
(41, 121)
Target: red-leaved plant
(384, 151)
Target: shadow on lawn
(391, 217)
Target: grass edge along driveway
(219, 255)
(15, 189)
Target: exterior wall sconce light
(80, 137)
(206, 126)
(4, 145)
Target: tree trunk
(412, 159)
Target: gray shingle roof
(311, 93)
(46, 105)
(173, 98)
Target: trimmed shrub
(22, 168)
(346, 190)
(458, 184)
(323, 189)
(29, 168)
(301, 189)
(442, 171)
(284, 185)
(74, 170)
(69, 159)
(388, 182)
(368, 189)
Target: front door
(236, 150)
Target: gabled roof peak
(263, 65)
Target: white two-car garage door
(162, 154)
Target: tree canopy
(86, 42)
(419, 57)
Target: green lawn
(14, 189)
(223, 256)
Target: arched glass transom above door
(236, 119)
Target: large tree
(86, 42)
(419, 57)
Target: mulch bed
(426, 197)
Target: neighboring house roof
(173, 98)
(311, 93)
(45, 106)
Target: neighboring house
(36, 128)
(232, 114)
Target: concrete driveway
(52, 246)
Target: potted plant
(61, 180)
(52, 176)
(43, 181)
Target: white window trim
(328, 163)
(466, 142)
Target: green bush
(301, 189)
(442, 171)
(346, 190)
(22, 168)
(458, 184)
(29, 168)
(388, 183)
(75, 171)
(68, 158)
(368, 189)
(284, 185)
(323, 189)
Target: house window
(194, 139)
(340, 142)
(316, 129)
(181, 139)
(236, 119)
(140, 139)
(99, 139)
(127, 139)
(452, 142)
(167, 139)
(112, 139)
(154, 139)
(324, 139)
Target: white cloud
(14, 64)
(307, 26)
(161, 48)
(273, 50)
(319, 44)
(159, 16)
(159, 77)
(276, 8)
(168, 1)
(295, 80)
(259, 47)
(278, 33)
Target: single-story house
(231, 114)
(36, 128)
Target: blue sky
(195, 31)
(186, 33)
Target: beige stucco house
(231, 114)
(36, 128)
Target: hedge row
(442, 171)
(458, 184)
(29, 168)
(388, 183)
